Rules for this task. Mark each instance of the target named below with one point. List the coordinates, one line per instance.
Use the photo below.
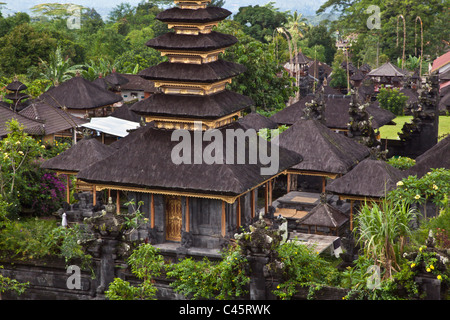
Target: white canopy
(111, 125)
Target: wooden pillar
(224, 220)
(288, 182)
(68, 189)
(351, 215)
(152, 212)
(188, 223)
(270, 192)
(266, 198)
(324, 183)
(252, 206)
(118, 202)
(109, 194)
(238, 213)
(94, 195)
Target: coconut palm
(297, 26)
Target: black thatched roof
(16, 86)
(136, 82)
(146, 162)
(124, 112)
(80, 156)
(206, 73)
(116, 79)
(79, 93)
(54, 119)
(195, 106)
(336, 113)
(370, 178)
(209, 14)
(388, 70)
(324, 215)
(257, 121)
(201, 42)
(322, 149)
(436, 157)
(32, 127)
(16, 96)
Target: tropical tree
(297, 26)
(58, 69)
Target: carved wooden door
(174, 218)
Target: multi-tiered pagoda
(196, 203)
(193, 80)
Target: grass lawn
(390, 132)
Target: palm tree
(297, 26)
(95, 69)
(58, 69)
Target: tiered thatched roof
(202, 42)
(208, 72)
(388, 70)
(193, 106)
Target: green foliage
(434, 186)
(401, 163)
(439, 225)
(204, 279)
(260, 22)
(18, 151)
(24, 46)
(58, 69)
(7, 284)
(302, 266)
(381, 230)
(269, 134)
(392, 100)
(146, 263)
(260, 82)
(339, 79)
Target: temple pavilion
(198, 204)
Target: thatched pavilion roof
(369, 179)
(322, 149)
(436, 157)
(116, 79)
(193, 106)
(146, 163)
(336, 113)
(388, 70)
(257, 121)
(32, 127)
(79, 93)
(324, 215)
(80, 156)
(54, 119)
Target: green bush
(392, 100)
(401, 163)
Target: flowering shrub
(434, 186)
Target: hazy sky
(307, 7)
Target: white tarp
(111, 125)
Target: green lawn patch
(391, 132)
